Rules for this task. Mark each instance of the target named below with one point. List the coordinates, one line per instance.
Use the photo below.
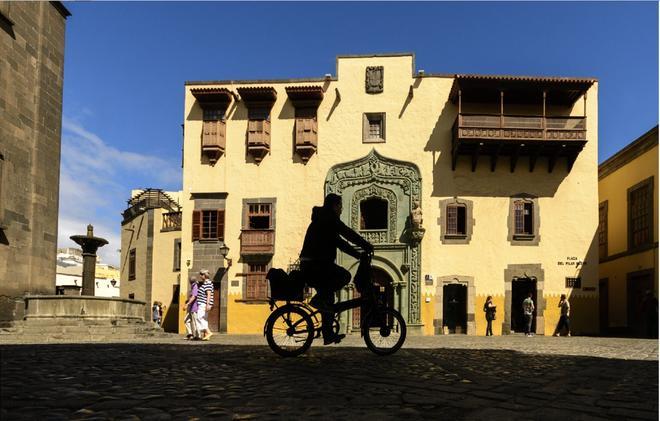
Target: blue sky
(126, 64)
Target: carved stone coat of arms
(374, 79)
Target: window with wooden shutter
(524, 217)
(131, 264)
(256, 285)
(602, 230)
(221, 225)
(213, 133)
(197, 225)
(640, 214)
(456, 220)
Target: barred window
(256, 285)
(524, 217)
(640, 212)
(259, 216)
(213, 114)
(131, 265)
(602, 230)
(456, 220)
(373, 129)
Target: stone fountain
(89, 245)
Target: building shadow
(228, 381)
(483, 182)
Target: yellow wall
(164, 278)
(420, 132)
(613, 188)
(245, 318)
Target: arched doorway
(383, 282)
(380, 195)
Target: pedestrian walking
(564, 318)
(191, 311)
(204, 304)
(528, 310)
(156, 314)
(490, 310)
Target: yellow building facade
(151, 253)
(467, 185)
(628, 235)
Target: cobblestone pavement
(239, 377)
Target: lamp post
(224, 251)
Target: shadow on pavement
(159, 381)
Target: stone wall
(62, 306)
(31, 75)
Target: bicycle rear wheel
(384, 331)
(289, 331)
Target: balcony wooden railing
(171, 221)
(256, 286)
(511, 127)
(534, 136)
(306, 137)
(257, 242)
(213, 139)
(258, 138)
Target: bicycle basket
(362, 278)
(283, 286)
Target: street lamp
(224, 251)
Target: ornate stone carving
(374, 79)
(385, 194)
(377, 172)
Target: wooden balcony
(257, 242)
(258, 139)
(171, 221)
(306, 137)
(213, 139)
(495, 135)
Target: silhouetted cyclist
(317, 259)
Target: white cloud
(95, 182)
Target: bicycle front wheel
(289, 331)
(384, 331)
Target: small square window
(373, 128)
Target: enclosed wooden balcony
(544, 126)
(306, 137)
(214, 103)
(257, 242)
(259, 100)
(213, 139)
(306, 100)
(258, 138)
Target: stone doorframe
(511, 274)
(468, 281)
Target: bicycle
(291, 328)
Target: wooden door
(603, 306)
(638, 284)
(214, 315)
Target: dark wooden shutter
(221, 224)
(196, 225)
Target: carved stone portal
(400, 184)
(374, 79)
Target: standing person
(528, 310)
(191, 310)
(564, 318)
(155, 313)
(204, 304)
(489, 309)
(650, 314)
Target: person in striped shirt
(204, 304)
